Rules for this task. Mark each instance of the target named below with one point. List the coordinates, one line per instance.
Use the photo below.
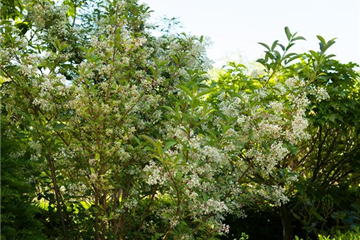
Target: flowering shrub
(135, 141)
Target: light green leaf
(149, 139)
(168, 145)
(206, 91)
(322, 40)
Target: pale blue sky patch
(236, 26)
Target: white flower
(278, 150)
(276, 106)
(214, 206)
(93, 177)
(298, 129)
(224, 228)
(35, 145)
(155, 172)
(291, 83)
(194, 181)
(322, 94)
(92, 162)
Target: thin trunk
(286, 224)
(57, 195)
(121, 224)
(104, 205)
(96, 213)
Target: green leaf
(293, 149)
(282, 46)
(322, 40)
(226, 128)
(168, 145)
(149, 139)
(296, 216)
(277, 54)
(186, 90)
(265, 45)
(148, 148)
(314, 54)
(299, 38)
(291, 55)
(157, 236)
(206, 91)
(288, 34)
(168, 108)
(176, 60)
(269, 55)
(328, 44)
(330, 56)
(332, 117)
(59, 126)
(137, 140)
(317, 215)
(289, 46)
(273, 46)
(71, 11)
(179, 176)
(291, 59)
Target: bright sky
(236, 26)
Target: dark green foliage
(324, 210)
(327, 195)
(10, 9)
(18, 214)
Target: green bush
(18, 213)
(349, 235)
